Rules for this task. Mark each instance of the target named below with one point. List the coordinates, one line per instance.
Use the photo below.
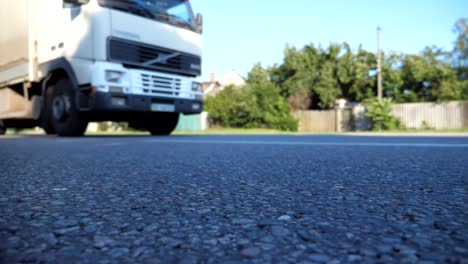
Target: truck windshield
(174, 12)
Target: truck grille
(146, 56)
(158, 85)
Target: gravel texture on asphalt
(189, 199)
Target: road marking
(111, 144)
(305, 143)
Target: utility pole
(379, 65)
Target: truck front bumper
(115, 88)
(119, 102)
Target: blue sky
(239, 33)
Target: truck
(65, 63)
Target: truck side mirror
(76, 2)
(200, 23)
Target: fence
(316, 121)
(325, 121)
(193, 122)
(449, 115)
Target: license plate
(162, 107)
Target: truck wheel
(161, 124)
(2, 128)
(64, 114)
(49, 130)
(46, 115)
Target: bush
(232, 108)
(380, 113)
(255, 105)
(272, 108)
(425, 125)
(103, 126)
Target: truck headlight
(114, 76)
(196, 87)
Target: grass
(211, 131)
(413, 130)
(25, 132)
(89, 133)
(251, 131)
(261, 131)
(234, 131)
(117, 133)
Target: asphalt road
(211, 199)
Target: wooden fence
(316, 121)
(449, 115)
(336, 120)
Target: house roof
(230, 78)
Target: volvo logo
(161, 59)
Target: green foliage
(103, 126)
(425, 125)
(258, 104)
(430, 76)
(272, 109)
(313, 77)
(327, 86)
(258, 74)
(233, 107)
(380, 113)
(464, 87)
(461, 43)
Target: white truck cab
(64, 63)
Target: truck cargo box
(16, 41)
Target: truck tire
(161, 124)
(64, 115)
(2, 128)
(49, 130)
(46, 115)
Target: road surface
(211, 199)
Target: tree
(313, 77)
(307, 76)
(327, 88)
(258, 74)
(295, 77)
(430, 76)
(393, 83)
(461, 55)
(353, 73)
(461, 43)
